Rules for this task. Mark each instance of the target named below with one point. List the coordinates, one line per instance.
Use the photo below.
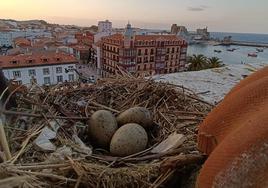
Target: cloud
(198, 8)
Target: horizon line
(166, 29)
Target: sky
(246, 16)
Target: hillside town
(163, 94)
(48, 54)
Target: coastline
(229, 54)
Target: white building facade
(50, 73)
(43, 75)
(105, 26)
(5, 38)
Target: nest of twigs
(174, 108)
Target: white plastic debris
(59, 155)
(172, 142)
(82, 147)
(43, 140)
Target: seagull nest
(73, 162)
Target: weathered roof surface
(158, 37)
(80, 47)
(212, 84)
(22, 60)
(146, 37)
(20, 41)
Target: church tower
(128, 36)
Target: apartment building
(5, 38)
(43, 69)
(143, 55)
(105, 26)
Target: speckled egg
(101, 127)
(139, 115)
(128, 139)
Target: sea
(240, 55)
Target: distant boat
(259, 49)
(231, 49)
(252, 55)
(218, 51)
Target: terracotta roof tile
(80, 47)
(22, 42)
(158, 37)
(23, 60)
(146, 37)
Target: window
(45, 60)
(60, 79)
(146, 59)
(173, 50)
(139, 59)
(139, 52)
(146, 51)
(145, 67)
(31, 72)
(71, 77)
(47, 80)
(46, 71)
(33, 81)
(70, 67)
(19, 82)
(58, 69)
(152, 51)
(16, 74)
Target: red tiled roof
(22, 41)
(22, 60)
(80, 47)
(158, 37)
(99, 43)
(146, 37)
(115, 37)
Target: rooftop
(20, 41)
(158, 37)
(146, 37)
(80, 47)
(212, 84)
(23, 60)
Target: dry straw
(175, 109)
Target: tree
(197, 62)
(214, 62)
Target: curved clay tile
(235, 134)
(235, 108)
